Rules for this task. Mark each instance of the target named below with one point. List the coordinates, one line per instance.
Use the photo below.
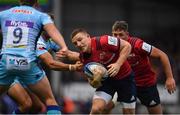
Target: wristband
(70, 67)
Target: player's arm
(57, 65)
(55, 35)
(170, 82)
(124, 51)
(71, 55)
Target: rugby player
(145, 78)
(21, 27)
(112, 53)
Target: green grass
(14, 2)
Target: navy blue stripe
(53, 107)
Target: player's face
(82, 42)
(120, 34)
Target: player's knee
(155, 109)
(96, 110)
(27, 105)
(51, 101)
(108, 108)
(128, 111)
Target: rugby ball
(89, 67)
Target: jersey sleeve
(41, 47)
(46, 19)
(110, 43)
(142, 47)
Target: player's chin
(83, 49)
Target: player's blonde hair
(78, 30)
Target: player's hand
(95, 83)
(170, 85)
(64, 49)
(113, 69)
(77, 66)
(61, 54)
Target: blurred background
(155, 21)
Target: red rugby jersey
(105, 50)
(139, 61)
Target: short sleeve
(110, 43)
(46, 19)
(142, 47)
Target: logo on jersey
(146, 47)
(112, 41)
(22, 11)
(17, 63)
(19, 23)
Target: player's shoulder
(108, 41)
(135, 40)
(132, 38)
(6, 10)
(42, 14)
(108, 38)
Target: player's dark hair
(78, 30)
(28, 2)
(122, 25)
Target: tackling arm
(57, 65)
(71, 55)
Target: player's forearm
(53, 64)
(55, 35)
(60, 66)
(73, 56)
(124, 53)
(58, 38)
(56, 65)
(166, 65)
